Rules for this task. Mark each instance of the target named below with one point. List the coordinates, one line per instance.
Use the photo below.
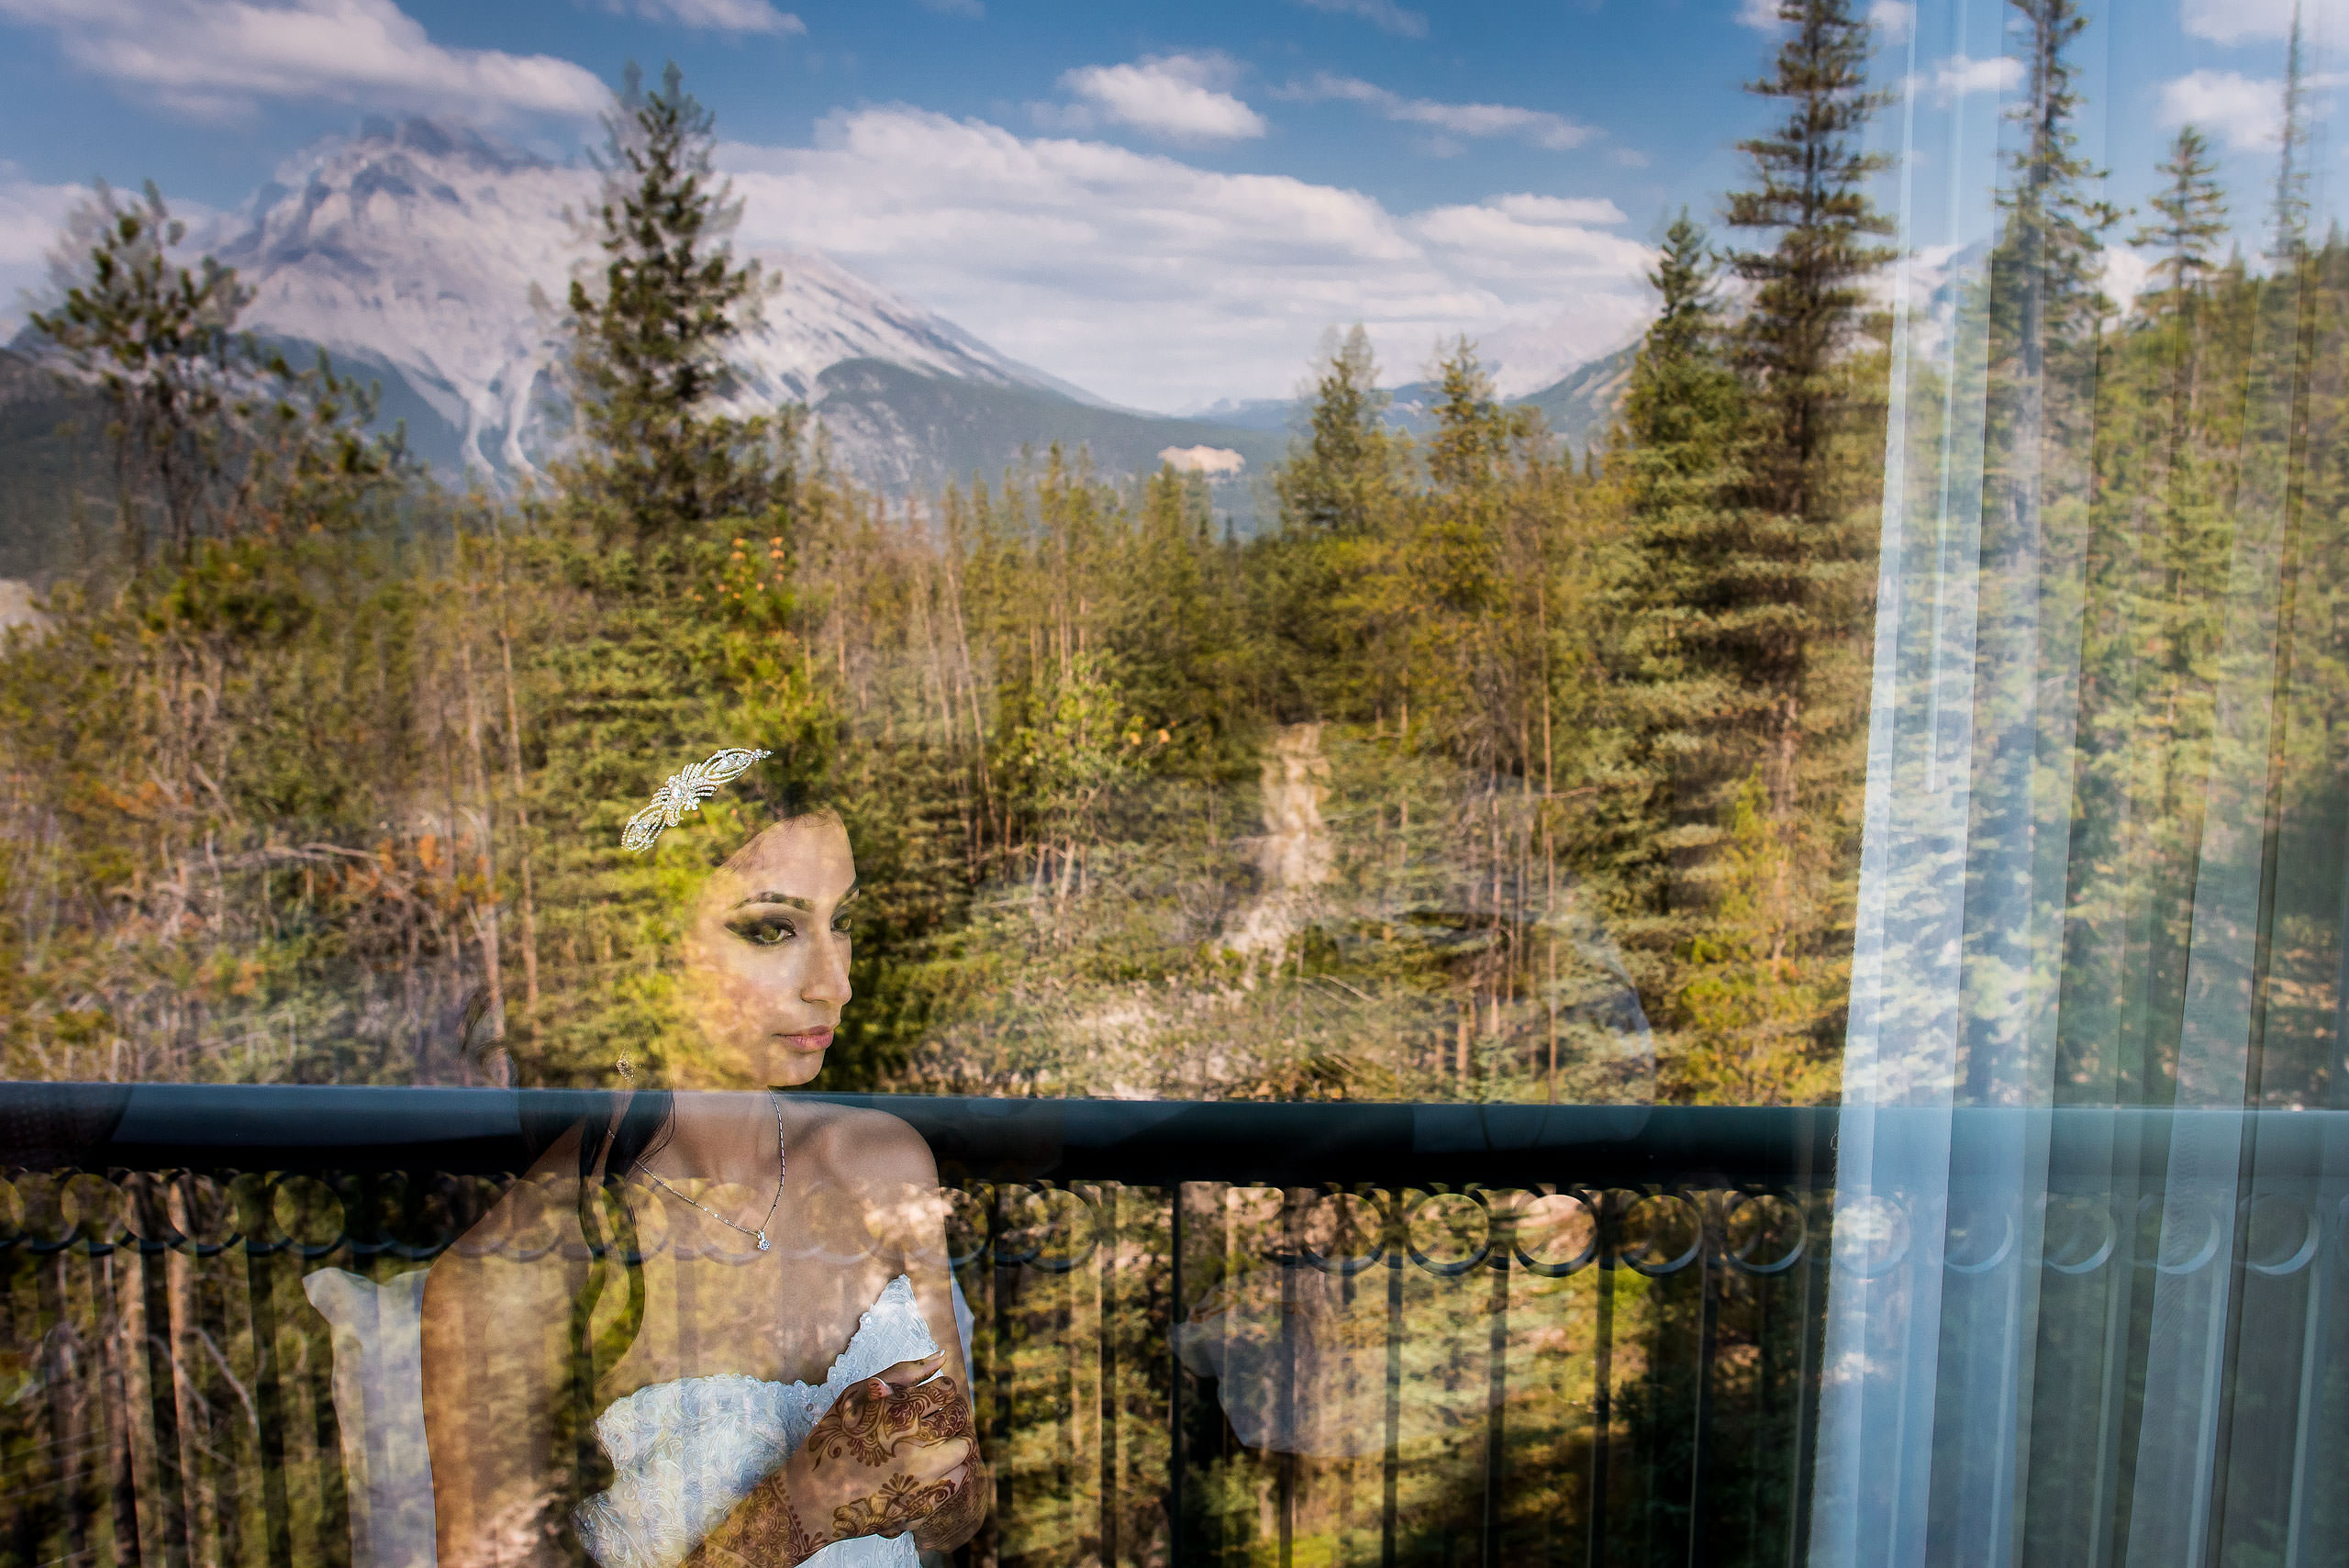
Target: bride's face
(766, 953)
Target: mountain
(1579, 407)
(1584, 403)
(434, 261)
(909, 428)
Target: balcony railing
(1276, 1334)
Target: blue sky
(1167, 204)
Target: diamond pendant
(763, 1240)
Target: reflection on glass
(709, 1326)
(1333, 915)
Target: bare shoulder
(528, 1224)
(854, 1144)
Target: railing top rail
(357, 1128)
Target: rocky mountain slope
(436, 261)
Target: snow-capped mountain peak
(436, 258)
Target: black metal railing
(1276, 1334)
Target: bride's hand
(893, 1451)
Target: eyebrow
(792, 901)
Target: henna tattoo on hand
(957, 1519)
(874, 1436)
(900, 1504)
(775, 1535)
(940, 1412)
(872, 1431)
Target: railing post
(1391, 1480)
(1497, 1387)
(1175, 1458)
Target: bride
(713, 1326)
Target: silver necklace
(761, 1232)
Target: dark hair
(616, 1132)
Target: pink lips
(810, 1039)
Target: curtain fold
(2103, 870)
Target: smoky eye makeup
(768, 919)
(764, 928)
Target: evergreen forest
(1484, 769)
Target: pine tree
(1681, 432)
(160, 340)
(1810, 192)
(1347, 472)
(2190, 218)
(1335, 597)
(2044, 268)
(2287, 221)
(650, 345)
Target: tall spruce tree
(2044, 268)
(2189, 217)
(650, 345)
(1684, 597)
(1345, 474)
(1811, 195)
(2288, 213)
(159, 340)
(1334, 597)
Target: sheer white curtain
(2081, 1307)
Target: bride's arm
(915, 1229)
(494, 1344)
(895, 1453)
(879, 1462)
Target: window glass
(1324, 784)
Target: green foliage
(2045, 269)
(1810, 192)
(2288, 208)
(2190, 218)
(1756, 983)
(210, 434)
(650, 345)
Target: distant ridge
(431, 259)
(917, 429)
(1583, 403)
(1579, 405)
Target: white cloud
(1178, 96)
(1532, 239)
(1215, 463)
(37, 238)
(1539, 127)
(1384, 15)
(1546, 213)
(31, 218)
(2249, 21)
(2124, 275)
(718, 16)
(2245, 112)
(1960, 76)
(213, 59)
(1162, 285)
(1891, 19)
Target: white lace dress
(684, 1454)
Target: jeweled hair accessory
(684, 791)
